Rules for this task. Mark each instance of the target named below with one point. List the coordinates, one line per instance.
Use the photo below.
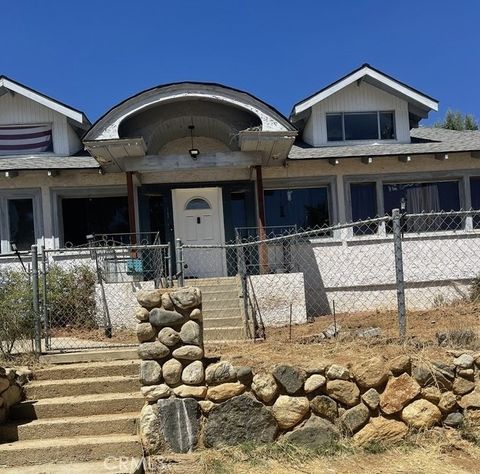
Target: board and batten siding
(356, 98)
(18, 110)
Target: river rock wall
(11, 392)
(193, 401)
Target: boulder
(169, 337)
(398, 393)
(149, 298)
(400, 364)
(196, 314)
(193, 373)
(462, 386)
(221, 372)
(437, 374)
(372, 373)
(355, 418)
(314, 382)
(447, 402)
(432, 394)
(371, 398)
(239, 420)
(150, 430)
(146, 332)
(172, 371)
(324, 407)
(11, 396)
(421, 414)
(150, 372)
(206, 406)
(224, 391)
(142, 314)
(289, 411)
(186, 298)
(190, 391)
(188, 353)
(381, 430)
(4, 383)
(317, 367)
(180, 423)
(466, 373)
(24, 375)
(153, 392)
(153, 350)
(290, 378)
(471, 400)
(314, 434)
(343, 391)
(454, 420)
(167, 301)
(338, 372)
(265, 387)
(465, 361)
(160, 317)
(245, 375)
(191, 333)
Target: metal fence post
(170, 269)
(36, 301)
(43, 258)
(179, 251)
(399, 278)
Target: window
(21, 139)
(102, 215)
(21, 223)
(197, 203)
(475, 197)
(360, 126)
(301, 208)
(364, 206)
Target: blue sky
(93, 54)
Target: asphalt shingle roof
(47, 162)
(424, 140)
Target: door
(198, 220)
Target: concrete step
(71, 449)
(90, 356)
(233, 303)
(209, 290)
(234, 321)
(40, 389)
(235, 333)
(199, 282)
(89, 369)
(96, 425)
(221, 313)
(79, 405)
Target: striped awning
(17, 139)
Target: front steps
(75, 413)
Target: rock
(381, 430)
(465, 361)
(289, 411)
(206, 406)
(369, 332)
(224, 391)
(466, 373)
(290, 378)
(332, 331)
(343, 391)
(432, 394)
(437, 374)
(239, 420)
(149, 298)
(371, 374)
(454, 420)
(462, 386)
(398, 393)
(371, 398)
(265, 387)
(153, 350)
(169, 337)
(338, 372)
(399, 365)
(167, 302)
(153, 392)
(188, 353)
(313, 434)
(471, 400)
(355, 418)
(191, 333)
(172, 371)
(11, 396)
(4, 383)
(447, 402)
(196, 314)
(324, 407)
(146, 332)
(193, 373)
(150, 372)
(24, 375)
(3, 415)
(186, 298)
(317, 368)
(1, 402)
(421, 414)
(190, 391)
(150, 430)
(142, 314)
(245, 375)
(314, 382)
(10, 373)
(160, 317)
(220, 372)
(180, 423)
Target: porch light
(194, 152)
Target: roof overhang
(274, 146)
(108, 152)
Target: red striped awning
(25, 139)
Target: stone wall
(11, 383)
(192, 401)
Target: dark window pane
(197, 203)
(475, 195)
(334, 128)
(84, 216)
(387, 126)
(20, 220)
(362, 126)
(238, 209)
(157, 214)
(364, 206)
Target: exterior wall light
(194, 152)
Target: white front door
(198, 220)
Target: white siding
(362, 98)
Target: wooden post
(262, 249)
(131, 208)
